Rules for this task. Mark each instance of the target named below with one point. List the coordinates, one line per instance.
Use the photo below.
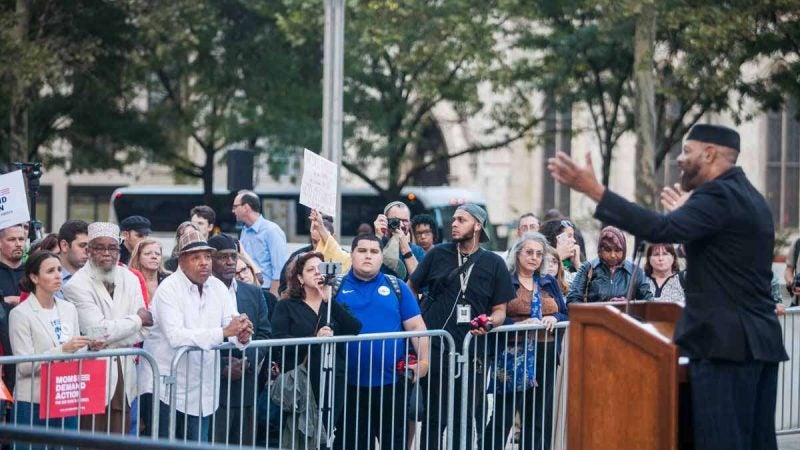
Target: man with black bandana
(463, 282)
(729, 328)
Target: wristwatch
(408, 255)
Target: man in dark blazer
(239, 372)
(729, 328)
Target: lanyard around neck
(464, 276)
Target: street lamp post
(332, 96)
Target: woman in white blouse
(42, 324)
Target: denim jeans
(25, 413)
(187, 427)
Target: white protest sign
(318, 186)
(13, 200)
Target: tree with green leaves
(582, 54)
(66, 85)
(421, 56)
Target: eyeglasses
(240, 273)
(100, 249)
(531, 252)
(236, 205)
(422, 232)
(567, 224)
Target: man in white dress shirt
(192, 309)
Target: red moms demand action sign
(73, 388)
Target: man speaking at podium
(728, 329)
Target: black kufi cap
(714, 134)
(222, 242)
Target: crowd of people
(95, 286)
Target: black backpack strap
(395, 286)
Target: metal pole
(333, 87)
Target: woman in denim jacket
(606, 278)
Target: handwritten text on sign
(73, 388)
(318, 187)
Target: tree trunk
(18, 111)
(645, 117)
(208, 177)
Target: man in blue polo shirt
(376, 393)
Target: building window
(89, 203)
(783, 167)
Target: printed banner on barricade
(13, 200)
(75, 388)
(318, 186)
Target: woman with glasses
(607, 277)
(539, 301)
(663, 273)
(555, 268)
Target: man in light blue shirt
(262, 239)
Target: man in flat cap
(111, 309)
(134, 229)
(729, 328)
(191, 308)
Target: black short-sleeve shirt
(489, 285)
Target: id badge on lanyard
(463, 308)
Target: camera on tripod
(33, 173)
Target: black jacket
(729, 235)
(9, 370)
(9, 279)
(250, 301)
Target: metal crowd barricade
(355, 398)
(787, 410)
(69, 390)
(513, 388)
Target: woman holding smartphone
(562, 235)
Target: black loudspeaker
(240, 170)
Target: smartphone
(562, 238)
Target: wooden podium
(623, 377)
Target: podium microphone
(638, 252)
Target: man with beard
(111, 309)
(12, 247)
(192, 308)
(463, 282)
(239, 370)
(728, 328)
